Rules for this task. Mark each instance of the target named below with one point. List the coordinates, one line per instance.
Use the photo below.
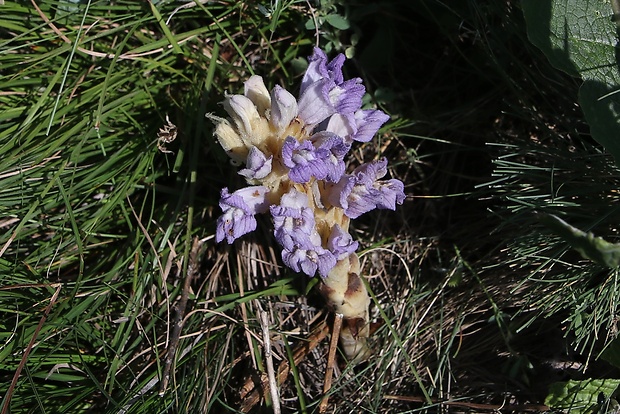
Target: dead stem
(273, 386)
(331, 361)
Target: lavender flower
(258, 165)
(340, 243)
(361, 191)
(324, 92)
(239, 209)
(293, 221)
(295, 231)
(367, 123)
(309, 261)
(360, 126)
(321, 157)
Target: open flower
(239, 209)
(295, 230)
(360, 126)
(258, 166)
(309, 261)
(340, 243)
(324, 92)
(293, 221)
(361, 191)
(320, 157)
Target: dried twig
(331, 361)
(273, 386)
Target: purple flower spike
(340, 243)
(361, 192)
(258, 166)
(239, 209)
(308, 137)
(321, 158)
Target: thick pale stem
(346, 294)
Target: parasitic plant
(293, 152)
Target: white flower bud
(283, 108)
(256, 91)
(230, 140)
(243, 112)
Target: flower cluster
(293, 153)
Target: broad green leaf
(590, 246)
(581, 38)
(581, 396)
(337, 21)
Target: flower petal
(309, 261)
(362, 192)
(320, 157)
(243, 112)
(347, 97)
(368, 123)
(293, 221)
(315, 104)
(295, 231)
